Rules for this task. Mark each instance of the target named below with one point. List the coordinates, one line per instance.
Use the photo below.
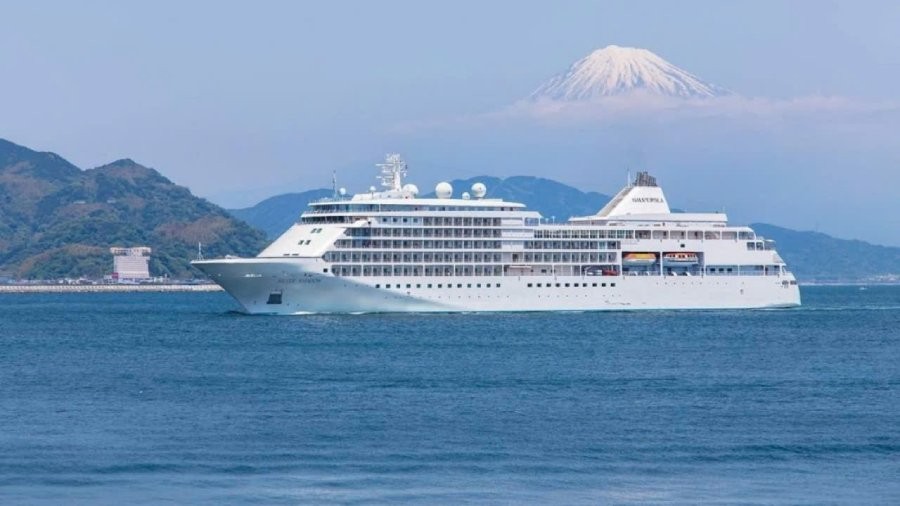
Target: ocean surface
(176, 398)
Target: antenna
(199, 251)
(334, 184)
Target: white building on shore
(131, 263)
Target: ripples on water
(147, 398)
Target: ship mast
(393, 170)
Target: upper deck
(640, 204)
(397, 232)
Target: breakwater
(108, 288)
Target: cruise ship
(390, 250)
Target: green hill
(59, 221)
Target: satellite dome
(466, 196)
(342, 191)
(411, 189)
(443, 190)
(479, 190)
(372, 189)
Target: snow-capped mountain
(616, 71)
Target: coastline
(167, 288)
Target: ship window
(408, 286)
(539, 285)
(612, 284)
(488, 285)
(440, 285)
(325, 269)
(602, 285)
(377, 286)
(418, 285)
(477, 286)
(557, 285)
(529, 285)
(459, 285)
(498, 285)
(387, 286)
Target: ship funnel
(641, 197)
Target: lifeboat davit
(681, 258)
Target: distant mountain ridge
(819, 257)
(57, 220)
(554, 200)
(812, 256)
(276, 214)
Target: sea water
(162, 398)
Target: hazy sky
(239, 101)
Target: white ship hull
(300, 286)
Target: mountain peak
(42, 165)
(128, 169)
(616, 70)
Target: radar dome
(411, 189)
(443, 190)
(466, 196)
(342, 191)
(372, 189)
(479, 190)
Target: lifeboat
(639, 258)
(681, 258)
(596, 270)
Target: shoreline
(170, 288)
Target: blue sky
(239, 101)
